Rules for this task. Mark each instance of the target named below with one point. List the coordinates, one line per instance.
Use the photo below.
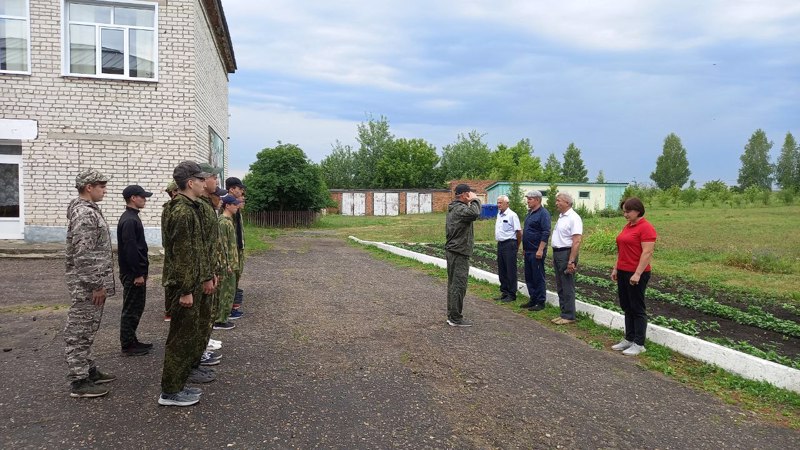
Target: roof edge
(219, 29)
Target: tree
(407, 163)
(552, 169)
(468, 157)
(690, 194)
(756, 169)
(672, 167)
(516, 200)
(786, 171)
(374, 138)
(284, 179)
(338, 168)
(552, 192)
(515, 163)
(601, 177)
(573, 170)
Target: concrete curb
(742, 364)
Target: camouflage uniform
(227, 284)
(458, 249)
(89, 266)
(184, 271)
(211, 267)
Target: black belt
(561, 249)
(508, 240)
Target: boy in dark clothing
(461, 213)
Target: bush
(761, 261)
(787, 196)
(583, 211)
(609, 211)
(602, 240)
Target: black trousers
(133, 300)
(631, 300)
(507, 268)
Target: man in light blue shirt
(508, 234)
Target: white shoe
(634, 350)
(623, 345)
(214, 344)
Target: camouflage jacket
(184, 244)
(227, 234)
(89, 261)
(216, 255)
(458, 226)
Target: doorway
(12, 221)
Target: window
(111, 39)
(14, 36)
(583, 194)
(217, 152)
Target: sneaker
(212, 346)
(235, 314)
(623, 344)
(634, 350)
(215, 342)
(196, 391)
(563, 321)
(146, 345)
(527, 305)
(86, 389)
(134, 350)
(210, 359)
(167, 318)
(224, 326)
(200, 377)
(536, 307)
(181, 398)
(458, 323)
(97, 377)
(205, 369)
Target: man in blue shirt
(535, 234)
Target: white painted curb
(747, 366)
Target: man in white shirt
(566, 244)
(508, 234)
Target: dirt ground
(340, 350)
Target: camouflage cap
(210, 169)
(172, 186)
(188, 169)
(90, 176)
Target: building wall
(600, 195)
(439, 199)
(211, 89)
(134, 131)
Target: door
(412, 203)
(347, 203)
(392, 204)
(379, 204)
(12, 222)
(359, 203)
(425, 203)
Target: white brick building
(129, 87)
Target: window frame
(27, 20)
(65, 40)
(211, 134)
(587, 196)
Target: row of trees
(672, 167)
(384, 161)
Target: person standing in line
(508, 234)
(635, 245)
(566, 245)
(227, 289)
(183, 277)
(172, 191)
(90, 280)
(237, 189)
(535, 235)
(461, 213)
(133, 267)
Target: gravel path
(340, 350)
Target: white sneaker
(623, 344)
(634, 350)
(214, 344)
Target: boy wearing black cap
(133, 265)
(236, 188)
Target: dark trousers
(565, 285)
(507, 267)
(534, 277)
(457, 277)
(631, 300)
(206, 323)
(133, 300)
(180, 349)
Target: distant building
(130, 88)
(592, 196)
(389, 202)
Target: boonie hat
(462, 188)
(135, 189)
(90, 176)
(188, 169)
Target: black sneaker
(536, 307)
(508, 299)
(224, 326)
(458, 323)
(134, 350)
(97, 377)
(144, 345)
(200, 377)
(527, 305)
(86, 389)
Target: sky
(614, 77)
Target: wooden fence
(280, 219)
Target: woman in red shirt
(635, 244)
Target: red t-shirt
(629, 244)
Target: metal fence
(280, 219)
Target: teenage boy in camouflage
(236, 188)
(227, 285)
(90, 279)
(183, 277)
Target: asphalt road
(340, 350)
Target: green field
(751, 249)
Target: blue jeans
(534, 277)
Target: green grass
(257, 239)
(768, 402)
(753, 250)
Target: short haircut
(503, 198)
(633, 204)
(182, 184)
(566, 197)
(533, 194)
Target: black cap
(234, 182)
(220, 192)
(187, 170)
(462, 188)
(230, 200)
(135, 189)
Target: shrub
(787, 196)
(761, 261)
(609, 211)
(602, 240)
(583, 211)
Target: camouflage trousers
(457, 279)
(209, 303)
(185, 330)
(227, 290)
(83, 321)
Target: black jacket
(131, 244)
